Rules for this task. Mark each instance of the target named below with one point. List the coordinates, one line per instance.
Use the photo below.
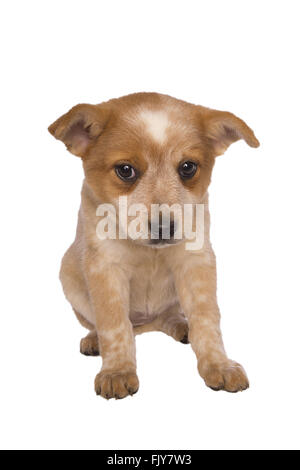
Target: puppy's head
(155, 150)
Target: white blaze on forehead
(156, 123)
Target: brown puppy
(154, 150)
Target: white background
(240, 56)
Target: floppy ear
(224, 128)
(80, 127)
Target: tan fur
(119, 288)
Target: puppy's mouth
(163, 243)
(162, 235)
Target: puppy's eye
(187, 169)
(126, 172)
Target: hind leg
(171, 322)
(76, 292)
(174, 324)
(89, 346)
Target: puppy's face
(155, 150)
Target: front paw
(229, 376)
(116, 384)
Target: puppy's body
(122, 287)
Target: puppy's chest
(152, 290)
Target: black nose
(162, 232)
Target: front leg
(196, 287)
(109, 295)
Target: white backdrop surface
(237, 56)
